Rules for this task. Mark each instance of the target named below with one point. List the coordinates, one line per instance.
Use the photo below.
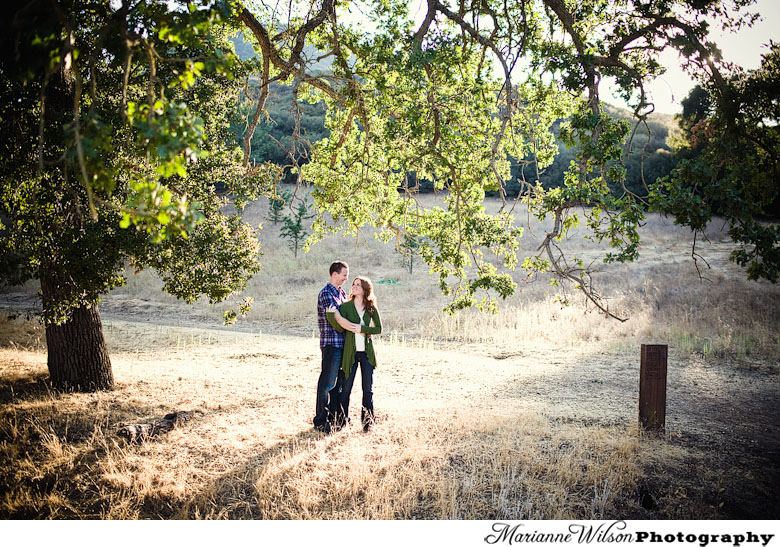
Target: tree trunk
(77, 355)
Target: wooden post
(652, 387)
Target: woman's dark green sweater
(350, 313)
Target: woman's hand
(331, 309)
(354, 327)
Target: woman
(359, 318)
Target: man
(331, 345)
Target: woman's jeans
(367, 379)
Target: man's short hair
(338, 266)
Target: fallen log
(143, 431)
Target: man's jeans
(345, 385)
(326, 401)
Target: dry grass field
(526, 414)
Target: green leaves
(152, 207)
(191, 73)
(96, 143)
(217, 259)
(169, 133)
(598, 136)
(117, 136)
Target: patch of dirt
(722, 417)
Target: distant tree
(408, 249)
(293, 229)
(277, 204)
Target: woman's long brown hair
(369, 298)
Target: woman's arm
(375, 319)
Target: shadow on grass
(25, 387)
(720, 456)
(52, 443)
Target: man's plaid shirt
(329, 296)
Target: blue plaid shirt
(329, 296)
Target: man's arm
(327, 301)
(339, 322)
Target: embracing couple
(346, 325)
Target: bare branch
(696, 256)
(426, 24)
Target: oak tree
(730, 165)
(114, 122)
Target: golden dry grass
(529, 413)
(251, 453)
